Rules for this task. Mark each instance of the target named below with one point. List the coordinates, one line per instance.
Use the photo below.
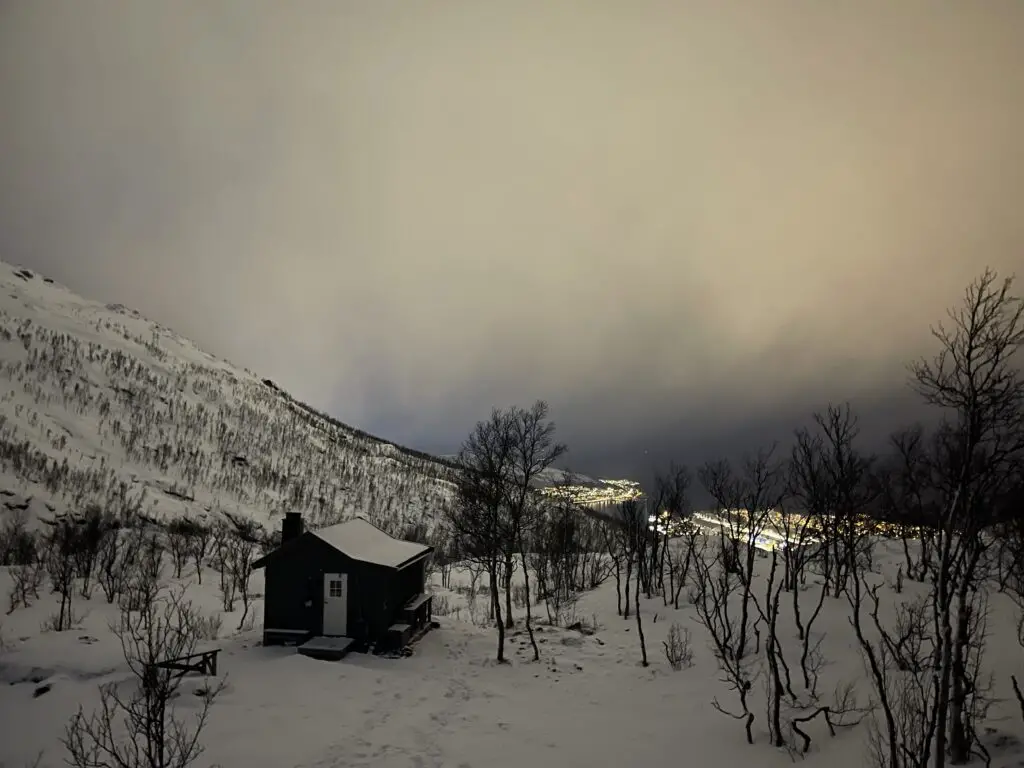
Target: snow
(449, 704)
(367, 543)
(124, 401)
(588, 702)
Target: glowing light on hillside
(609, 492)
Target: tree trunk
(671, 591)
(529, 611)
(618, 587)
(640, 626)
(629, 576)
(942, 610)
(509, 621)
(959, 742)
(496, 605)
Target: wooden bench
(203, 663)
(417, 601)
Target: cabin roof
(361, 540)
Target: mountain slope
(100, 405)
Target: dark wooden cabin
(350, 580)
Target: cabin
(345, 585)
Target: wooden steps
(272, 636)
(327, 648)
(398, 636)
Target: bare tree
(809, 489)
(143, 572)
(678, 652)
(907, 499)
(137, 725)
(200, 537)
(926, 667)
(179, 543)
(1011, 531)
(901, 735)
(27, 574)
(616, 551)
(240, 550)
(637, 540)
(621, 554)
(116, 561)
(975, 382)
(747, 500)
(590, 566)
(788, 705)
(838, 483)
(444, 554)
(716, 585)
(688, 544)
(777, 680)
(671, 512)
(17, 543)
(91, 529)
(534, 450)
(220, 544)
(1018, 694)
(831, 480)
(554, 552)
(62, 569)
(477, 518)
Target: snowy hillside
(99, 404)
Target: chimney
(291, 526)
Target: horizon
(686, 227)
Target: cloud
(658, 216)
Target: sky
(686, 225)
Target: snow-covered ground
(588, 702)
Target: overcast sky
(684, 224)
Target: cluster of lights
(608, 492)
(666, 524)
(773, 535)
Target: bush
(207, 627)
(442, 605)
(677, 647)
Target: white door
(335, 604)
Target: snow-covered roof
(363, 541)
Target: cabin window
(334, 588)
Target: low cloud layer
(683, 224)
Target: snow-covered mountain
(100, 405)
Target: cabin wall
(409, 582)
(294, 591)
(401, 587)
(366, 604)
(367, 593)
(293, 595)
